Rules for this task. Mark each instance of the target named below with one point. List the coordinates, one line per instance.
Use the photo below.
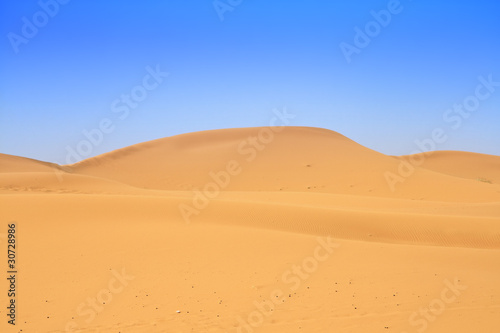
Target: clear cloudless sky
(61, 72)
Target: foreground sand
(304, 235)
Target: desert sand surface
(289, 229)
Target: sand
(289, 229)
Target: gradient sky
(264, 55)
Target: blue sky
(65, 67)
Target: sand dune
(480, 167)
(61, 182)
(297, 159)
(10, 163)
(299, 232)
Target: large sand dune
(254, 230)
(467, 165)
(296, 159)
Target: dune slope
(296, 159)
(10, 163)
(480, 167)
(290, 231)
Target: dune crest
(480, 167)
(11, 163)
(298, 159)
